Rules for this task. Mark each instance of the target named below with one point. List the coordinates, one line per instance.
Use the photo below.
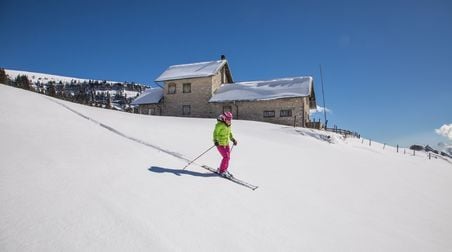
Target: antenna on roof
(323, 95)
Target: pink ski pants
(225, 152)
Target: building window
(285, 113)
(187, 88)
(186, 110)
(227, 109)
(172, 88)
(269, 113)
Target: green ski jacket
(222, 133)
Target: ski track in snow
(117, 132)
(174, 154)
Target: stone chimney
(222, 57)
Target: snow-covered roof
(150, 96)
(264, 90)
(195, 70)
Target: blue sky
(387, 65)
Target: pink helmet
(227, 116)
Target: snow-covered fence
(344, 132)
(430, 153)
(311, 125)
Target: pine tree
(3, 76)
(23, 82)
(51, 89)
(108, 106)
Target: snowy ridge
(69, 184)
(43, 78)
(35, 77)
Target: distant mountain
(44, 78)
(447, 148)
(100, 93)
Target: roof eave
(228, 71)
(225, 62)
(149, 103)
(312, 99)
(183, 78)
(264, 99)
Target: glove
(234, 141)
(216, 143)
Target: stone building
(206, 89)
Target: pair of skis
(231, 178)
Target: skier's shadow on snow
(179, 172)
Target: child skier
(221, 136)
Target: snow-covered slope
(41, 77)
(35, 77)
(78, 178)
(44, 78)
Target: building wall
(218, 79)
(202, 90)
(150, 109)
(254, 110)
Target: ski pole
(198, 157)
